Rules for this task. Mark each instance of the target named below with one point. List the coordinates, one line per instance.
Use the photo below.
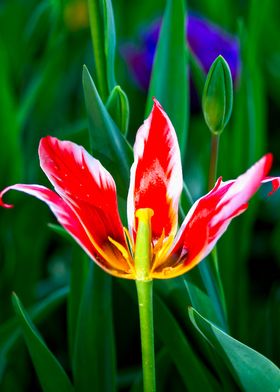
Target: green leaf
(94, 357)
(79, 272)
(202, 301)
(118, 108)
(10, 332)
(50, 373)
(189, 290)
(198, 74)
(246, 142)
(173, 339)
(107, 142)
(169, 82)
(97, 36)
(211, 283)
(103, 35)
(10, 129)
(252, 370)
(37, 313)
(128, 377)
(110, 42)
(181, 352)
(203, 282)
(60, 231)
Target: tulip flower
(85, 203)
(205, 40)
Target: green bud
(217, 96)
(118, 108)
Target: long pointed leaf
(169, 82)
(94, 357)
(107, 142)
(97, 35)
(10, 129)
(202, 280)
(79, 273)
(180, 350)
(37, 313)
(110, 42)
(50, 373)
(103, 35)
(252, 371)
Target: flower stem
(213, 161)
(212, 179)
(144, 285)
(145, 301)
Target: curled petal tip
(2, 204)
(275, 182)
(275, 185)
(5, 205)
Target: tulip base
(145, 301)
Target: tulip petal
(275, 183)
(210, 216)
(89, 188)
(67, 218)
(156, 174)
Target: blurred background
(43, 46)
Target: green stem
(145, 301)
(212, 179)
(213, 161)
(144, 285)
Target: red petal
(86, 185)
(275, 183)
(156, 174)
(68, 219)
(210, 216)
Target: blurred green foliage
(88, 321)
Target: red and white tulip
(84, 201)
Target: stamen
(129, 241)
(161, 254)
(119, 246)
(182, 265)
(169, 266)
(108, 254)
(123, 251)
(159, 243)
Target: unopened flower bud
(217, 96)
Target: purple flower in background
(206, 40)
